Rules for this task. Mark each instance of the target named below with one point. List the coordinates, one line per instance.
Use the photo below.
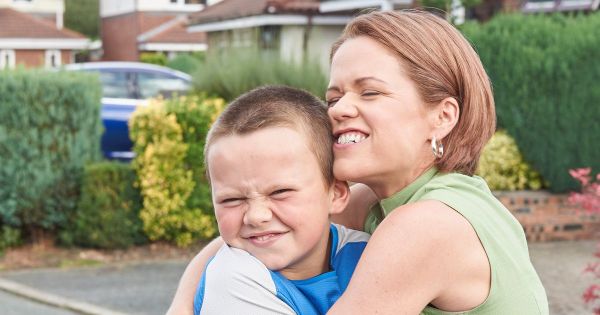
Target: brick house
(294, 29)
(130, 27)
(36, 40)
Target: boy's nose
(257, 213)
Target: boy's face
(271, 200)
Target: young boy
(269, 161)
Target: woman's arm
(183, 300)
(422, 253)
(355, 213)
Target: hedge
(503, 167)
(545, 72)
(168, 139)
(231, 74)
(107, 214)
(49, 129)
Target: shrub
(154, 58)
(188, 63)
(168, 140)
(589, 199)
(503, 167)
(543, 69)
(49, 129)
(9, 237)
(232, 74)
(107, 215)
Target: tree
(83, 16)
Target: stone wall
(550, 217)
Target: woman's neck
(394, 182)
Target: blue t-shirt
(234, 282)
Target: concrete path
(147, 288)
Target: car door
(118, 103)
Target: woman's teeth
(351, 137)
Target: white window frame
(7, 54)
(57, 57)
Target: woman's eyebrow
(356, 82)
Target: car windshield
(153, 84)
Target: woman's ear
(341, 196)
(446, 116)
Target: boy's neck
(320, 267)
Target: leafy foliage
(503, 167)
(188, 63)
(83, 16)
(544, 70)
(107, 215)
(231, 74)
(49, 129)
(154, 58)
(168, 139)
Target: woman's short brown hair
(442, 64)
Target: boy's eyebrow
(357, 81)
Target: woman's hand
(422, 253)
(183, 300)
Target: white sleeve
(238, 283)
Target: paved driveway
(147, 288)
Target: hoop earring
(438, 149)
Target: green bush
(545, 72)
(502, 165)
(168, 138)
(49, 129)
(107, 215)
(9, 237)
(232, 74)
(188, 63)
(154, 58)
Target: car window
(153, 84)
(116, 84)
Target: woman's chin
(347, 172)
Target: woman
(412, 107)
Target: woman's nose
(258, 212)
(344, 108)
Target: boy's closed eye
(231, 202)
(281, 193)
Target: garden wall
(550, 217)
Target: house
(32, 34)
(294, 29)
(131, 27)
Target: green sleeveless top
(515, 285)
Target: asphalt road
(147, 288)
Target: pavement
(147, 288)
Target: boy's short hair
(278, 106)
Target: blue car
(125, 86)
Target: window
(154, 84)
(7, 59)
(117, 84)
(188, 1)
(53, 58)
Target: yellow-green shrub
(503, 167)
(168, 137)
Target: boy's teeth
(352, 137)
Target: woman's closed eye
(369, 93)
(331, 102)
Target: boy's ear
(341, 196)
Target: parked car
(126, 85)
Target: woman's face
(380, 123)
